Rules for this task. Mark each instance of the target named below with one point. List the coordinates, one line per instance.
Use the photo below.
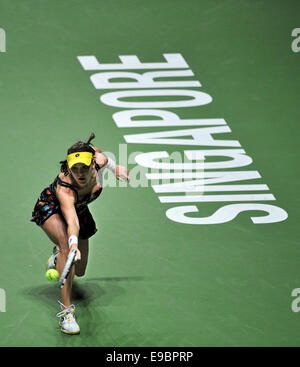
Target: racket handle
(64, 275)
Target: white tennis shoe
(67, 320)
(51, 263)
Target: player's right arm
(66, 198)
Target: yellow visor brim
(79, 157)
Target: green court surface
(152, 281)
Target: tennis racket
(64, 275)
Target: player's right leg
(56, 230)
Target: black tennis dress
(48, 204)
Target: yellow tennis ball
(52, 275)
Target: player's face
(81, 173)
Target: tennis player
(62, 212)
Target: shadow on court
(91, 297)
(84, 292)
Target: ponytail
(92, 136)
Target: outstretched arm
(102, 160)
(122, 173)
(96, 149)
(67, 200)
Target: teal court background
(150, 281)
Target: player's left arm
(121, 173)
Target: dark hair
(80, 146)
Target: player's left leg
(80, 266)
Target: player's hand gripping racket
(64, 275)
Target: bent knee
(80, 269)
(79, 273)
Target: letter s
(227, 213)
